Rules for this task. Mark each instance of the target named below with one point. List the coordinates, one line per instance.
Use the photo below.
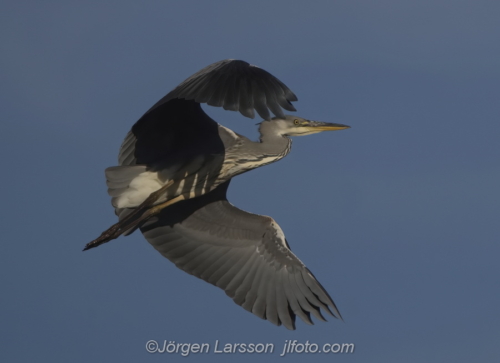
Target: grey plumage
(235, 85)
(213, 240)
(175, 166)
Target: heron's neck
(272, 142)
(250, 154)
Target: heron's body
(237, 155)
(174, 169)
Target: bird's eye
(296, 122)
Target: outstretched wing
(244, 254)
(177, 125)
(235, 85)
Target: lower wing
(244, 254)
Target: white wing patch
(140, 188)
(137, 190)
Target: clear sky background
(398, 217)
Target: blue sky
(397, 217)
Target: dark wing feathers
(179, 128)
(177, 125)
(246, 98)
(235, 85)
(244, 254)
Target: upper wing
(178, 129)
(177, 125)
(244, 254)
(235, 85)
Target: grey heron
(175, 166)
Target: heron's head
(296, 126)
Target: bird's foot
(116, 230)
(130, 222)
(106, 236)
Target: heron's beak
(313, 127)
(317, 126)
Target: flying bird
(174, 168)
